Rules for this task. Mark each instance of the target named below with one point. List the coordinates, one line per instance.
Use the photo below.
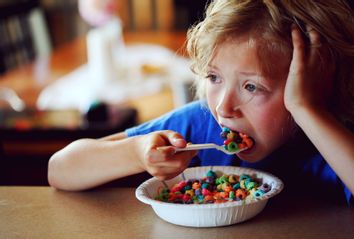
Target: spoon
(205, 146)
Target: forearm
(87, 163)
(332, 139)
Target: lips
(235, 140)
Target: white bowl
(208, 215)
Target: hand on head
(311, 73)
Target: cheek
(271, 119)
(274, 124)
(212, 99)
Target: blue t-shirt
(297, 163)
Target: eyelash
(255, 88)
(213, 78)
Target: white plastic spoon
(205, 146)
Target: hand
(310, 80)
(164, 164)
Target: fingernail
(176, 140)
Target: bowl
(208, 215)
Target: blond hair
(270, 21)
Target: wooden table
(43, 212)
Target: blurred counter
(25, 143)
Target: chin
(249, 158)
(252, 155)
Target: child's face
(244, 96)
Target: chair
(24, 34)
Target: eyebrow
(238, 72)
(261, 77)
(250, 74)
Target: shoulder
(179, 119)
(194, 109)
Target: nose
(229, 105)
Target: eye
(251, 87)
(213, 78)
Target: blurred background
(71, 69)
(64, 23)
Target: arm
(333, 141)
(307, 90)
(87, 163)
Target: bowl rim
(142, 194)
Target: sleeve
(349, 196)
(325, 179)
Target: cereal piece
(211, 173)
(258, 193)
(232, 147)
(213, 189)
(241, 193)
(265, 187)
(236, 140)
(196, 185)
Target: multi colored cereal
(214, 189)
(235, 140)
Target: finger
(315, 47)
(315, 37)
(171, 175)
(175, 139)
(167, 171)
(167, 176)
(160, 155)
(319, 51)
(299, 47)
(167, 156)
(176, 164)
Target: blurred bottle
(105, 44)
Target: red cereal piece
(241, 194)
(176, 189)
(209, 199)
(227, 188)
(224, 194)
(206, 192)
(220, 201)
(242, 135)
(227, 141)
(186, 197)
(182, 184)
(196, 185)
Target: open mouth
(235, 141)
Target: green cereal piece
(250, 185)
(232, 147)
(232, 195)
(223, 179)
